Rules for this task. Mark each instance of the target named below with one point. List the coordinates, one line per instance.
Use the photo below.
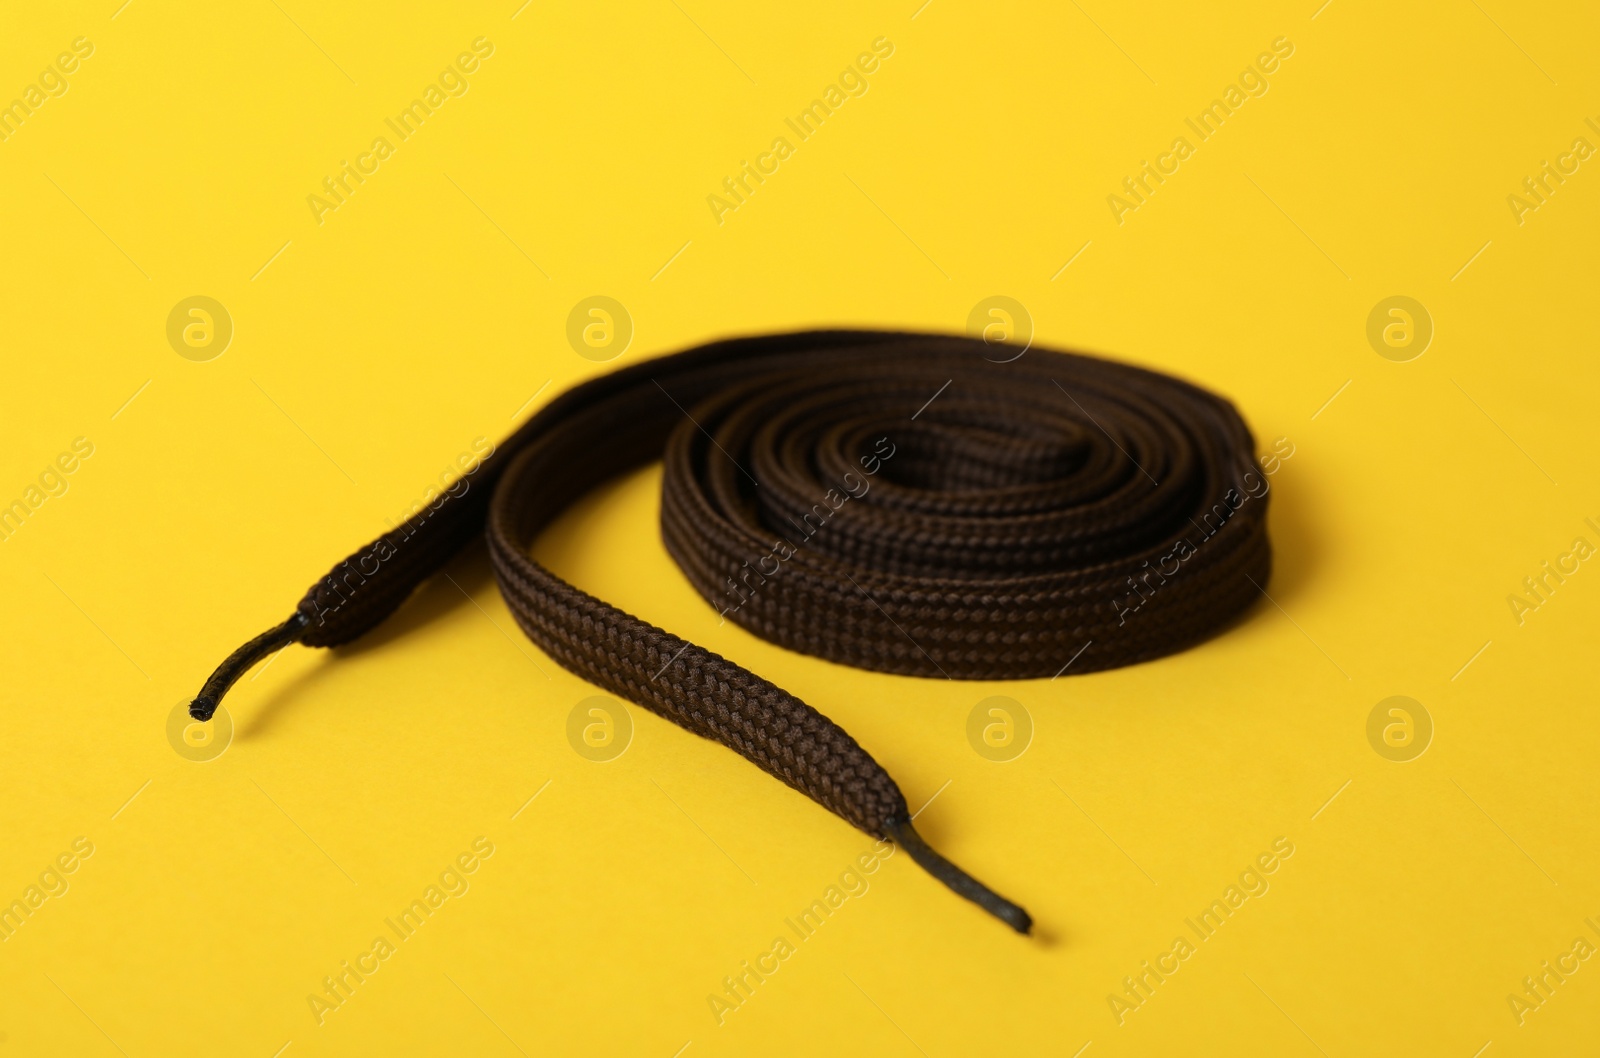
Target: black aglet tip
(905, 835)
(238, 663)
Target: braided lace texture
(1058, 508)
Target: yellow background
(431, 307)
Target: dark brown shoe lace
(895, 502)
